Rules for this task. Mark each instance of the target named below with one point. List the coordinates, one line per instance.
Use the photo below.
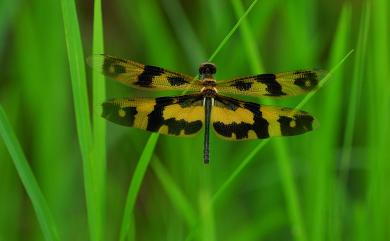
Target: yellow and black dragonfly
(184, 115)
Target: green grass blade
(378, 122)
(237, 171)
(250, 45)
(269, 223)
(151, 16)
(284, 160)
(83, 122)
(7, 9)
(323, 196)
(290, 191)
(135, 185)
(184, 31)
(229, 35)
(174, 193)
(27, 177)
(99, 124)
(354, 97)
(207, 216)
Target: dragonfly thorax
(209, 82)
(209, 92)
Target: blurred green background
(79, 180)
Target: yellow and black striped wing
(275, 85)
(142, 76)
(177, 116)
(239, 120)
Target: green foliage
(27, 177)
(127, 184)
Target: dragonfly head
(207, 69)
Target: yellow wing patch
(142, 76)
(178, 116)
(239, 120)
(276, 85)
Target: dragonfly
(208, 102)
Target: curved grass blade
(26, 175)
(324, 197)
(98, 123)
(184, 31)
(378, 196)
(354, 97)
(135, 184)
(83, 122)
(174, 193)
(282, 156)
(250, 45)
(229, 35)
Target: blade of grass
(83, 123)
(7, 9)
(359, 222)
(157, 24)
(298, 31)
(26, 175)
(354, 97)
(213, 14)
(379, 127)
(184, 31)
(322, 195)
(135, 184)
(269, 223)
(99, 124)
(289, 187)
(206, 211)
(232, 177)
(174, 193)
(229, 35)
(250, 45)
(39, 51)
(12, 196)
(290, 191)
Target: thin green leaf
(250, 44)
(229, 35)
(377, 79)
(322, 180)
(174, 193)
(135, 184)
(284, 160)
(355, 93)
(41, 208)
(99, 124)
(184, 31)
(207, 216)
(83, 122)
